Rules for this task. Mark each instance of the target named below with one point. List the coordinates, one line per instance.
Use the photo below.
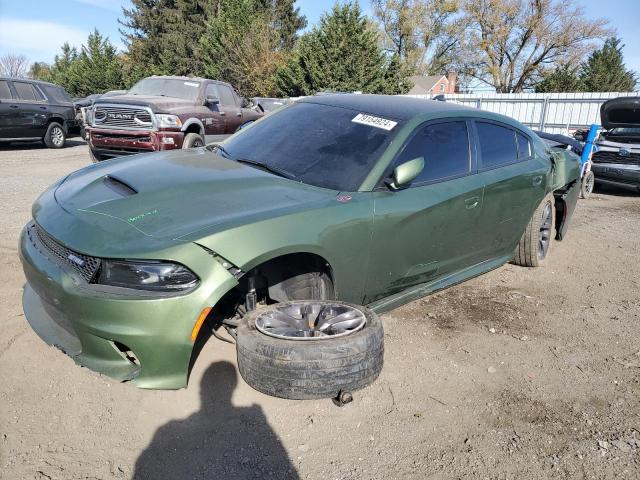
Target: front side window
(497, 145)
(316, 144)
(445, 149)
(5, 92)
(226, 96)
(26, 91)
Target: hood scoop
(119, 186)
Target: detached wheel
(587, 184)
(193, 140)
(536, 240)
(55, 136)
(309, 349)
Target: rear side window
(226, 96)
(497, 145)
(57, 94)
(5, 93)
(524, 147)
(445, 149)
(27, 92)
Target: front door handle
(239, 114)
(13, 106)
(471, 203)
(223, 113)
(537, 180)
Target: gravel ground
(520, 373)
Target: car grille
(122, 117)
(614, 157)
(85, 265)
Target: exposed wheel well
(56, 120)
(193, 128)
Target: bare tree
(16, 66)
(423, 33)
(508, 43)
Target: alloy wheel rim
(310, 321)
(545, 232)
(57, 137)
(589, 183)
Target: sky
(38, 28)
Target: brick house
(433, 84)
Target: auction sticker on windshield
(372, 121)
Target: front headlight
(168, 121)
(146, 275)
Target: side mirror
(211, 100)
(403, 174)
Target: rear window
(57, 94)
(445, 149)
(497, 145)
(524, 147)
(5, 93)
(27, 92)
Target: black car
(34, 110)
(617, 160)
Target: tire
(193, 140)
(55, 137)
(531, 251)
(94, 158)
(587, 184)
(311, 368)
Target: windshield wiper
(270, 169)
(221, 149)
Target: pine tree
(97, 68)
(605, 71)
(563, 78)
(341, 54)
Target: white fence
(550, 112)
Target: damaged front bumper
(128, 336)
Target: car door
(8, 111)
(515, 183)
(231, 107)
(213, 116)
(32, 111)
(428, 229)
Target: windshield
(167, 87)
(625, 131)
(316, 144)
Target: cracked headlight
(146, 275)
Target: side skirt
(413, 293)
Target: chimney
(452, 77)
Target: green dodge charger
(373, 200)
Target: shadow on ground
(37, 145)
(219, 441)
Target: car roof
(177, 77)
(29, 80)
(389, 106)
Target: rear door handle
(471, 203)
(239, 114)
(537, 180)
(13, 106)
(223, 113)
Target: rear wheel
(587, 184)
(55, 136)
(193, 140)
(533, 248)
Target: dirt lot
(521, 373)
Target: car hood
(620, 112)
(157, 104)
(174, 194)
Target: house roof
(423, 84)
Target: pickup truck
(166, 113)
